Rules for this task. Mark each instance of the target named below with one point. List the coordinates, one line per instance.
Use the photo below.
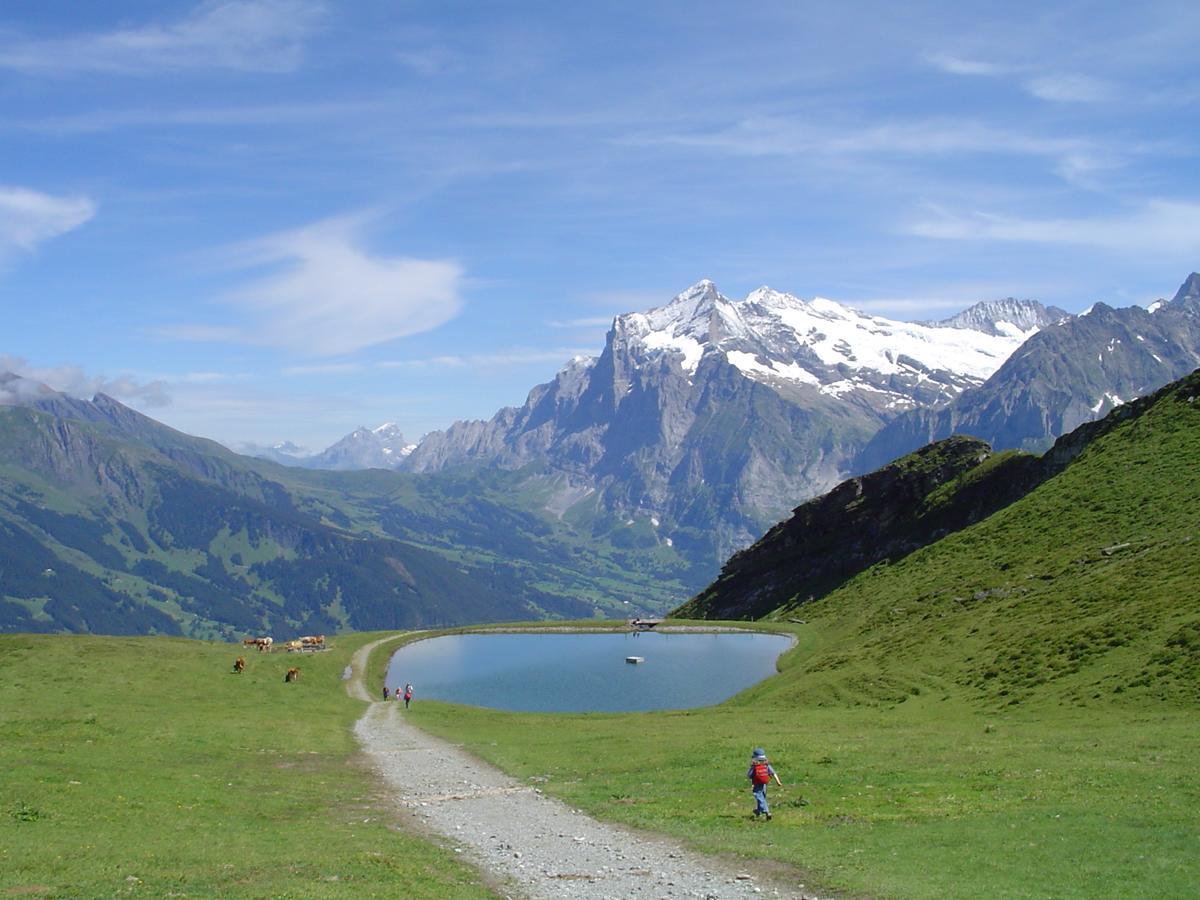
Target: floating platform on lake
(635, 659)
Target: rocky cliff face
(713, 417)
(1068, 373)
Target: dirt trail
(534, 843)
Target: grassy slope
(1010, 712)
(143, 766)
(493, 524)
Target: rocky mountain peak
(1189, 291)
(1008, 316)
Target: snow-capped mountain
(1073, 372)
(1004, 316)
(712, 417)
(781, 340)
(364, 448)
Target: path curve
(535, 843)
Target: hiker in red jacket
(760, 774)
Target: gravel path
(533, 843)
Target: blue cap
(759, 751)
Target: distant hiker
(760, 774)
(385, 692)
(408, 689)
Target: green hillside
(1009, 712)
(1085, 591)
(111, 523)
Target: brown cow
(293, 646)
(313, 640)
(293, 674)
(239, 665)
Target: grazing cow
(293, 674)
(239, 665)
(293, 646)
(313, 640)
(262, 643)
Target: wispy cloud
(1068, 88)
(956, 65)
(767, 136)
(255, 115)
(330, 369)
(1155, 227)
(587, 322)
(27, 218)
(326, 294)
(72, 380)
(490, 360)
(241, 35)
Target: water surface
(548, 672)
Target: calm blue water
(585, 672)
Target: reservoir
(548, 672)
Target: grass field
(144, 767)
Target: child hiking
(408, 691)
(760, 774)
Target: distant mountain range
(113, 523)
(364, 448)
(618, 488)
(711, 417)
(1068, 373)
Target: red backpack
(762, 774)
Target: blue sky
(281, 219)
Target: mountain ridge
(1068, 373)
(713, 416)
(888, 514)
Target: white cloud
(1156, 227)
(766, 136)
(1070, 89)
(72, 380)
(956, 65)
(327, 295)
(331, 369)
(490, 360)
(243, 35)
(27, 218)
(587, 322)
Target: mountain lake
(586, 672)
